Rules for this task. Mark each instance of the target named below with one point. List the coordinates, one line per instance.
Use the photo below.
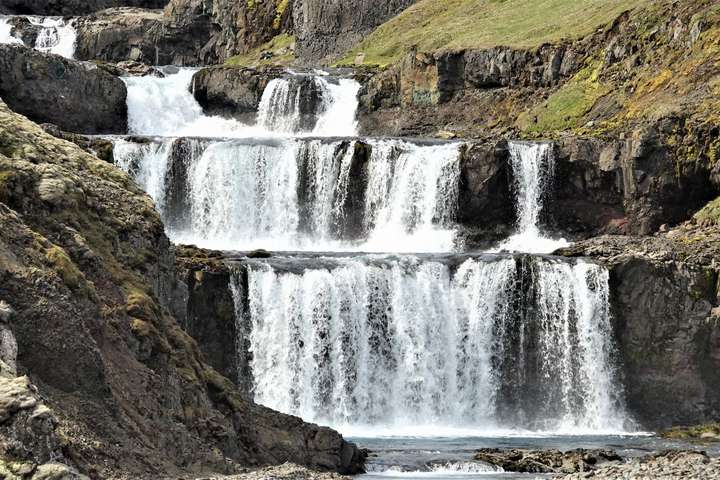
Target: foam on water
(6, 36)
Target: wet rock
(547, 461)
(232, 92)
(283, 472)
(75, 96)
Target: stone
(547, 461)
(71, 7)
(76, 97)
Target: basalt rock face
(228, 28)
(665, 295)
(630, 186)
(71, 7)
(47, 88)
(86, 266)
(327, 28)
(122, 34)
(232, 92)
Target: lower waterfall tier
(406, 343)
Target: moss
(68, 271)
(139, 305)
(709, 215)
(280, 10)
(567, 108)
(708, 432)
(280, 47)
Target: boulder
(546, 461)
(75, 96)
(232, 92)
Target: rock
(283, 472)
(71, 7)
(232, 92)
(75, 96)
(547, 461)
(672, 465)
(326, 29)
(92, 278)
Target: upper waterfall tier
(294, 105)
(408, 344)
(46, 34)
(301, 194)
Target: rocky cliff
(71, 7)
(85, 264)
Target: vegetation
(710, 214)
(454, 24)
(278, 51)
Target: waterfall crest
(390, 342)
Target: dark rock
(232, 92)
(23, 29)
(100, 147)
(259, 254)
(328, 28)
(71, 7)
(74, 96)
(547, 461)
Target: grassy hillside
(439, 24)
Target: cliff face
(85, 264)
(328, 28)
(71, 7)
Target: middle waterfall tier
(301, 194)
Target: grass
(566, 108)
(280, 46)
(456, 24)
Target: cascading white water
(166, 107)
(410, 346)
(291, 194)
(55, 35)
(331, 106)
(6, 36)
(533, 168)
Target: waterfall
(54, 35)
(404, 343)
(310, 104)
(533, 167)
(295, 105)
(301, 194)
(165, 107)
(6, 36)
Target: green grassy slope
(454, 24)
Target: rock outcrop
(688, 465)
(327, 28)
(75, 96)
(71, 7)
(665, 296)
(547, 461)
(90, 274)
(232, 92)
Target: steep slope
(459, 24)
(86, 265)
